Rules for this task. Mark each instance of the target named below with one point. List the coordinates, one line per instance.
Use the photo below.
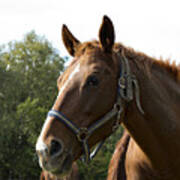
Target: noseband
(126, 82)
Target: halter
(125, 92)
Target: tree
(28, 73)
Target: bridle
(126, 82)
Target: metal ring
(117, 106)
(83, 134)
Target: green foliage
(28, 74)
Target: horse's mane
(145, 62)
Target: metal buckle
(122, 82)
(83, 134)
(119, 109)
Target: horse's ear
(106, 34)
(69, 40)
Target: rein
(126, 82)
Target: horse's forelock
(87, 46)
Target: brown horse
(73, 175)
(107, 84)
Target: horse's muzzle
(57, 165)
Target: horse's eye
(92, 81)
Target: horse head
(88, 105)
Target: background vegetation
(28, 74)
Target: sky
(152, 27)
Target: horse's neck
(157, 132)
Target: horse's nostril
(56, 147)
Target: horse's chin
(61, 173)
(59, 167)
